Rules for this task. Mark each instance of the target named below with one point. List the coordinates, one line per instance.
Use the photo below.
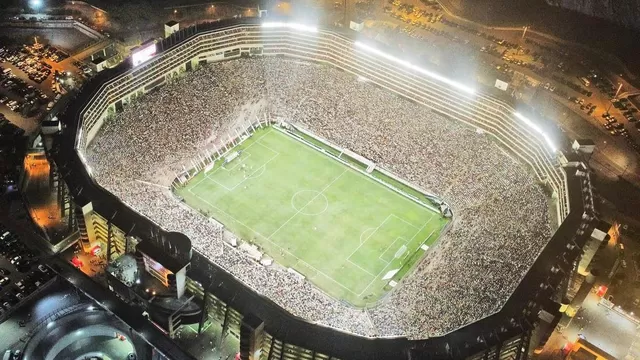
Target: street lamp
(614, 97)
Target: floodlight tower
(36, 4)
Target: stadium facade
(265, 329)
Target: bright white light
(535, 127)
(137, 281)
(549, 143)
(36, 4)
(418, 69)
(86, 163)
(90, 307)
(143, 54)
(292, 26)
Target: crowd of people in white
(501, 220)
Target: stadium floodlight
(35, 4)
(292, 26)
(416, 68)
(537, 129)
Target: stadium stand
(484, 327)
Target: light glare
(535, 127)
(292, 26)
(416, 68)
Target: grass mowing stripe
(316, 210)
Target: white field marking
(250, 145)
(376, 229)
(235, 163)
(309, 202)
(368, 237)
(326, 203)
(363, 232)
(385, 268)
(251, 176)
(242, 160)
(390, 245)
(425, 240)
(273, 243)
(359, 171)
(206, 175)
(294, 256)
(358, 266)
(405, 221)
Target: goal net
(229, 158)
(400, 252)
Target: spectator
(501, 220)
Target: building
(264, 328)
(584, 350)
(170, 27)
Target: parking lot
(33, 78)
(559, 78)
(20, 273)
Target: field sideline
(343, 230)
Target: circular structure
(80, 335)
(477, 276)
(309, 202)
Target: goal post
(400, 252)
(209, 167)
(231, 157)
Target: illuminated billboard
(143, 53)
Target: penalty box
(250, 163)
(381, 245)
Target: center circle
(309, 202)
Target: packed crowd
(501, 220)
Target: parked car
(20, 285)
(23, 266)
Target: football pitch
(345, 230)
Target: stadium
(356, 204)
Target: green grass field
(343, 230)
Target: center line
(310, 201)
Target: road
(80, 334)
(57, 298)
(605, 328)
(613, 158)
(129, 314)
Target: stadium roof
(470, 339)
